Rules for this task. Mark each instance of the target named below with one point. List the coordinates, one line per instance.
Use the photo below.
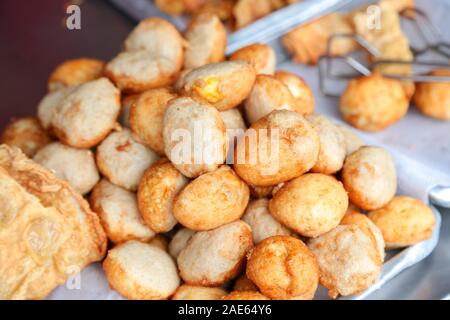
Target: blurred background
(34, 39)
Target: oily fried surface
(47, 231)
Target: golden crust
(25, 134)
(373, 103)
(245, 295)
(85, 116)
(433, 99)
(119, 214)
(213, 257)
(332, 145)
(308, 42)
(370, 178)
(352, 141)
(173, 7)
(140, 271)
(147, 109)
(47, 230)
(311, 204)
(123, 160)
(263, 224)
(299, 89)
(187, 292)
(141, 70)
(282, 267)
(354, 217)
(243, 283)
(75, 72)
(284, 131)
(349, 259)
(260, 56)
(404, 221)
(206, 41)
(190, 125)
(212, 200)
(268, 94)
(157, 189)
(224, 85)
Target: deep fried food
(282, 267)
(26, 134)
(349, 259)
(47, 230)
(119, 214)
(212, 200)
(404, 221)
(214, 257)
(311, 204)
(141, 271)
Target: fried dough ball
(159, 37)
(127, 103)
(261, 192)
(26, 134)
(160, 242)
(372, 103)
(221, 8)
(49, 103)
(352, 141)
(268, 94)
(75, 72)
(147, 115)
(433, 98)
(276, 148)
(404, 221)
(214, 257)
(173, 7)
(349, 259)
(212, 200)
(354, 217)
(333, 148)
(261, 221)
(194, 137)
(87, 114)
(141, 271)
(261, 56)
(179, 241)
(299, 89)
(76, 166)
(244, 284)
(283, 268)
(206, 41)
(139, 70)
(157, 189)
(119, 214)
(311, 204)
(123, 160)
(224, 85)
(370, 178)
(153, 57)
(234, 125)
(308, 42)
(247, 11)
(245, 295)
(187, 292)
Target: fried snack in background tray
(47, 231)
(308, 42)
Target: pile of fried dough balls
(273, 228)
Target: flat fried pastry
(47, 231)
